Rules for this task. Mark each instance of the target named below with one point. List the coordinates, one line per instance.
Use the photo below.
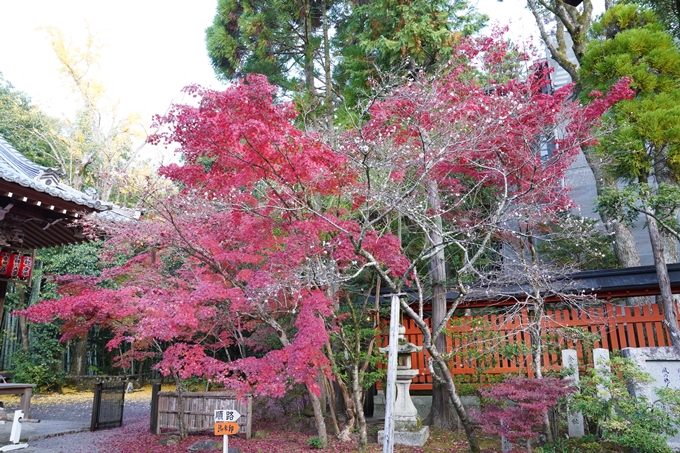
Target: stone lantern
(408, 425)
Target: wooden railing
(480, 344)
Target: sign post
(225, 425)
(391, 385)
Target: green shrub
(632, 422)
(315, 443)
(31, 370)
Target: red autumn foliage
(271, 220)
(516, 407)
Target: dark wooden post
(96, 404)
(155, 388)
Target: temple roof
(16, 168)
(37, 209)
(603, 284)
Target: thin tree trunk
(309, 50)
(183, 432)
(348, 401)
(455, 399)
(359, 407)
(670, 312)
(328, 73)
(316, 402)
(438, 361)
(23, 324)
(333, 405)
(625, 249)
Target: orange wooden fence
(478, 343)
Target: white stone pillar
(601, 361)
(570, 364)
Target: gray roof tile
(16, 168)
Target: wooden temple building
(37, 210)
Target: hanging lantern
(14, 263)
(5, 258)
(25, 266)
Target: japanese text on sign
(226, 415)
(226, 428)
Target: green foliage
(623, 419)
(396, 36)
(263, 37)
(41, 364)
(41, 374)
(315, 443)
(77, 259)
(642, 139)
(577, 242)
(629, 42)
(26, 127)
(627, 204)
(195, 384)
(583, 445)
(351, 339)
(668, 13)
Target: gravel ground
(77, 407)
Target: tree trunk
(316, 402)
(79, 357)
(625, 248)
(318, 418)
(23, 325)
(455, 399)
(333, 403)
(309, 49)
(183, 431)
(328, 74)
(537, 353)
(440, 414)
(438, 362)
(349, 413)
(664, 174)
(670, 312)
(359, 407)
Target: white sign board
(226, 415)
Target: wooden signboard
(226, 428)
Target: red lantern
(25, 266)
(14, 263)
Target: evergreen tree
(397, 36)
(643, 147)
(276, 38)
(668, 12)
(26, 127)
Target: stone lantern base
(411, 438)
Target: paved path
(65, 424)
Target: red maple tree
(271, 221)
